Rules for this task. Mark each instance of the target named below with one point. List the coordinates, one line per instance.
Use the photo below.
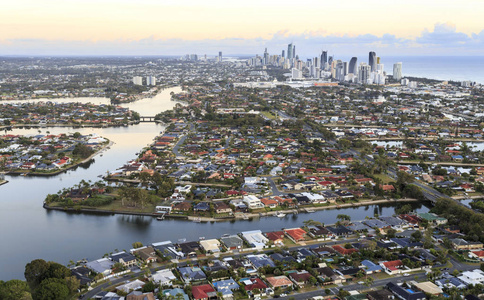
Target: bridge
(147, 119)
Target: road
(181, 141)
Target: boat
(309, 210)
(280, 215)
(197, 220)
(160, 218)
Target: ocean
(456, 68)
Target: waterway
(27, 231)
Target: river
(28, 231)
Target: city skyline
(172, 28)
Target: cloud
(444, 39)
(443, 34)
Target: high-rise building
(220, 56)
(283, 53)
(150, 80)
(290, 50)
(353, 67)
(339, 72)
(397, 71)
(266, 57)
(364, 71)
(138, 80)
(294, 51)
(324, 59)
(330, 60)
(372, 61)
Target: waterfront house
(189, 248)
(102, 266)
(210, 246)
(276, 237)
(232, 242)
(255, 239)
(146, 254)
(222, 208)
(167, 249)
(127, 259)
(252, 202)
(295, 234)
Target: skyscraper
(294, 51)
(353, 68)
(266, 57)
(324, 57)
(330, 60)
(372, 61)
(364, 73)
(283, 53)
(397, 71)
(220, 56)
(289, 51)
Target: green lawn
(268, 114)
(384, 178)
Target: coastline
(235, 217)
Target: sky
(177, 27)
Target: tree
(82, 150)
(149, 287)
(15, 290)
(137, 245)
(416, 236)
(343, 217)
(368, 281)
(391, 233)
(51, 289)
(35, 271)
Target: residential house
(146, 254)
(279, 282)
(164, 277)
(392, 267)
(210, 246)
(191, 274)
(255, 239)
(102, 266)
(405, 293)
(232, 242)
(461, 244)
(204, 292)
(300, 278)
(252, 202)
(295, 234)
(127, 259)
(226, 287)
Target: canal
(27, 231)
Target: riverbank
(236, 216)
(2, 182)
(57, 172)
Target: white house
(253, 202)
